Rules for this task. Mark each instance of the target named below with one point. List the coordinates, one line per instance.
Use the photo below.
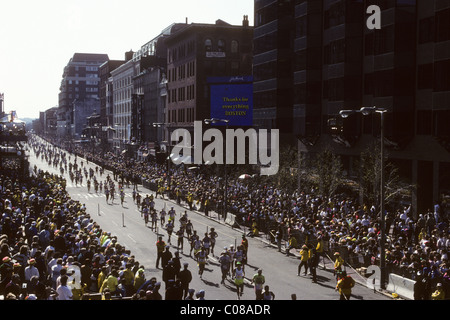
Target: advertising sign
(232, 100)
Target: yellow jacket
(439, 294)
(111, 283)
(100, 279)
(338, 263)
(319, 247)
(304, 253)
(345, 285)
(293, 242)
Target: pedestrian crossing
(92, 194)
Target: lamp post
(225, 191)
(368, 111)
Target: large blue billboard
(232, 99)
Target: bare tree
(328, 170)
(370, 174)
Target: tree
(328, 169)
(370, 174)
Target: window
(443, 25)
(426, 30)
(335, 15)
(425, 76)
(221, 45)
(442, 75)
(335, 52)
(384, 40)
(208, 45)
(424, 122)
(300, 27)
(440, 123)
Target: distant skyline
(38, 38)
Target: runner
(259, 280)
(189, 228)
(145, 212)
(213, 235)
(169, 229)
(197, 245)
(122, 197)
(267, 294)
(172, 215)
(106, 193)
(206, 242)
(239, 256)
(154, 216)
(225, 263)
(238, 276)
(201, 260)
(162, 216)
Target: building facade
(150, 88)
(199, 51)
(334, 61)
(122, 83)
(106, 102)
(79, 86)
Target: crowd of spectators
(416, 244)
(51, 248)
(416, 247)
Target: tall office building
(79, 91)
(313, 58)
(273, 43)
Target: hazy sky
(38, 38)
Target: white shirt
(31, 271)
(64, 293)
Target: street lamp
(225, 191)
(368, 111)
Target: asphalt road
(279, 270)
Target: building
(122, 83)
(50, 122)
(79, 89)
(106, 102)
(273, 55)
(2, 101)
(315, 58)
(195, 53)
(150, 92)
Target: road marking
(131, 238)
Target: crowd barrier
(404, 287)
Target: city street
(280, 271)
